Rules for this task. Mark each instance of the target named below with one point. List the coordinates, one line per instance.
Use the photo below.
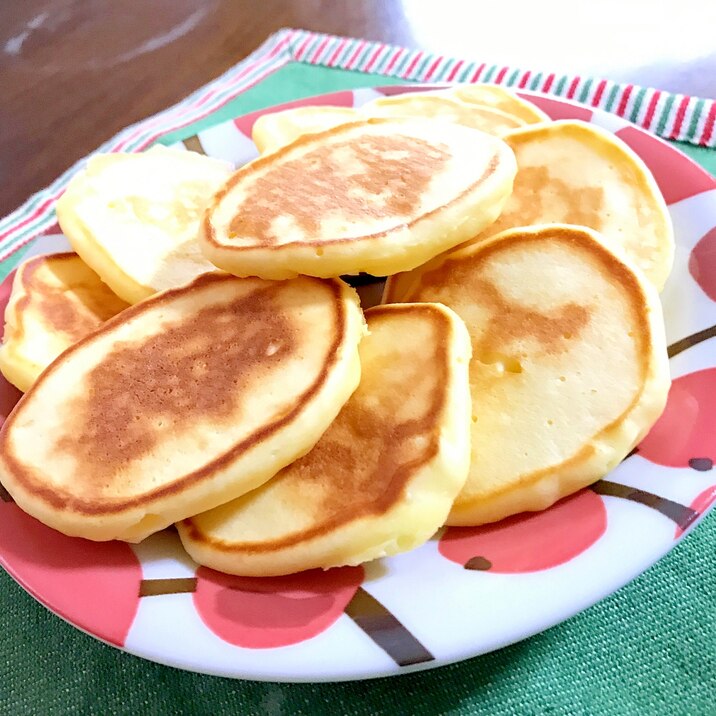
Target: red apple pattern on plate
(271, 612)
(677, 176)
(557, 109)
(530, 541)
(533, 541)
(258, 619)
(685, 434)
(91, 584)
(702, 263)
(262, 613)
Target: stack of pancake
(203, 361)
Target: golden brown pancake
(489, 108)
(569, 366)
(445, 107)
(277, 129)
(382, 478)
(133, 218)
(55, 301)
(502, 99)
(577, 173)
(379, 196)
(181, 403)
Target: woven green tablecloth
(648, 649)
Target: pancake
(382, 478)
(577, 173)
(500, 98)
(569, 367)
(55, 301)
(447, 107)
(489, 108)
(133, 218)
(277, 129)
(379, 196)
(181, 403)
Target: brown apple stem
(5, 496)
(692, 340)
(171, 585)
(682, 515)
(385, 630)
(478, 564)
(193, 144)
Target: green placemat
(648, 649)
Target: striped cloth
(671, 116)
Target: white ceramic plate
(468, 590)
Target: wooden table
(78, 72)
(74, 72)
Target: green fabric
(705, 156)
(14, 260)
(648, 649)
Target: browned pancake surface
(568, 368)
(195, 370)
(386, 175)
(186, 381)
(375, 196)
(380, 439)
(92, 301)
